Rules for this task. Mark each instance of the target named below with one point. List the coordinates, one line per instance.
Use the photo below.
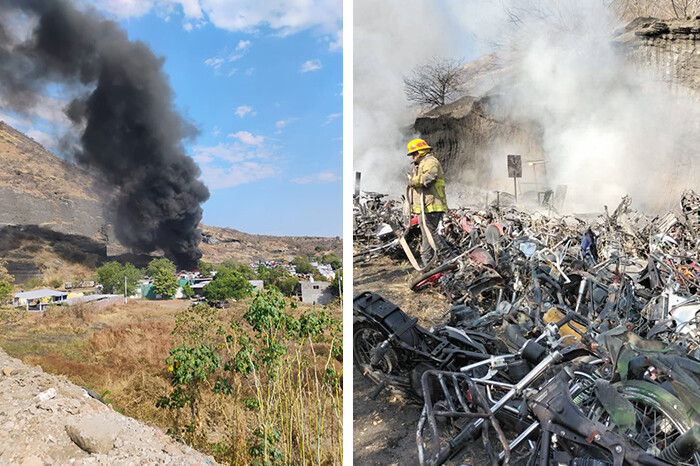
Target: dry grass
(120, 351)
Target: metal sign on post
(515, 170)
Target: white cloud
(249, 71)
(332, 117)
(283, 123)
(229, 165)
(221, 62)
(311, 65)
(247, 172)
(191, 8)
(247, 138)
(243, 110)
(285, 16)
(214, 62)
(338, 42)
(126, 8)
(323, 177)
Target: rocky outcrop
(465, 134)
(46, 420)
(671, 49)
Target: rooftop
(37, 294)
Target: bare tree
(661, 9)
(438, 82)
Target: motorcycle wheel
(366, 337)
(660, 416)
(427, 279)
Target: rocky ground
(47, 420)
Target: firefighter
(426, 194)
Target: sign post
(515, 170)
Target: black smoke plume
(122, 110)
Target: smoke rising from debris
(390, 39)
(608, 127)
(126, 126)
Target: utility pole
(124, 289)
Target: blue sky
(263, 86)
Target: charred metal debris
(569, 341)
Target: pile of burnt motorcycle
(568, 341)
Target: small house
(198, 286)
(258, 285)
(37, 300)
(316, 293)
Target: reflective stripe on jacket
(428, 178)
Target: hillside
(54, 221)
(38, 188)
(222, 243)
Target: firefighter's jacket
(429, 179)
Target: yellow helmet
(418, 145)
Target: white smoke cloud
(391, 38)
(609, 127)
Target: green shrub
(34, 282)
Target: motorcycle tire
(366, 337)
(427, 279)
(651, 402)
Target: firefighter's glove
(414, 182)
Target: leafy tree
(227, 286)
(319, 248)
(187, 291)
(165, 283)
(333, 260)
(244, 270)
(111, 276)
(436, 83)
(205, 269)
(272, 276)
(157, 265)
(303, 265)
(5, 291)
(287, 285)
